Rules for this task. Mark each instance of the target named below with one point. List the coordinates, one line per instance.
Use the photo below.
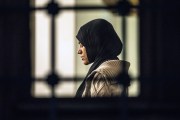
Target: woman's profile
(100, 45)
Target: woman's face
(83, 54)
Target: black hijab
(101, 42)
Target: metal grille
(121, 8)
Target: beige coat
(101, 82)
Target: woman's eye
(81, 45)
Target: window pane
(65, 22)
(40, 3)
(132, 46)
(42, 44)
(66, 52)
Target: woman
(99, 44)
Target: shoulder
(99, 85)
(102, 86)
(102, 82)
(111, 68)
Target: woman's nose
(79, 51)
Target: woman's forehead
(80, 43)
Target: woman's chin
(85, 63)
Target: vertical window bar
(53, 44)
(53, 49)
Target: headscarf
(101, 42)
